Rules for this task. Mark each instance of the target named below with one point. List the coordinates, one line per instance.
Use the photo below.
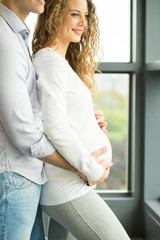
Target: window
(114, 24)
(112, 94)
(112, 97)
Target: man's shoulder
(5, 31)
(7, 37)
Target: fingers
(94, 107)
(107, 173)
(105, 164)
(100, 119)
(103, 124)
(106, 168)
(104, 129)
(98, 113)
(109, 165)
(99, 152)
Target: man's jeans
(19, 199)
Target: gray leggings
(85, 218)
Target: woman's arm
(52, 91)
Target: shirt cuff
(42, 148)
(94, 172)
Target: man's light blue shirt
(21, 130)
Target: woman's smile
(78, 31)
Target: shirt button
(7, 187)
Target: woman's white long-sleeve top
(70, 124)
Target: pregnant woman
(64, 46)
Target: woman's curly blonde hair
(81, 55)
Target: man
(22, 141)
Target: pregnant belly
(98, 141)
(108, 154)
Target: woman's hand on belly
(99, 115)
(105, 165)
(96, 154)
(106, 168)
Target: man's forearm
(57, 160)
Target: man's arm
(16, 112)
(57, 160)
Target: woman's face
(74, 21)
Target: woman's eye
(87, 16)
(74, 14)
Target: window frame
(128, 206)
(130, 69)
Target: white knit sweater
(70, 124)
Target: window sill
(153, 66)
(114, 198)
(153, 207)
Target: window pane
(112, 97)
(114, 23)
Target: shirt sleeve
(51, 84)
(16, 113)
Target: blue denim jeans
(19, 199)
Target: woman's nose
(84, 21)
